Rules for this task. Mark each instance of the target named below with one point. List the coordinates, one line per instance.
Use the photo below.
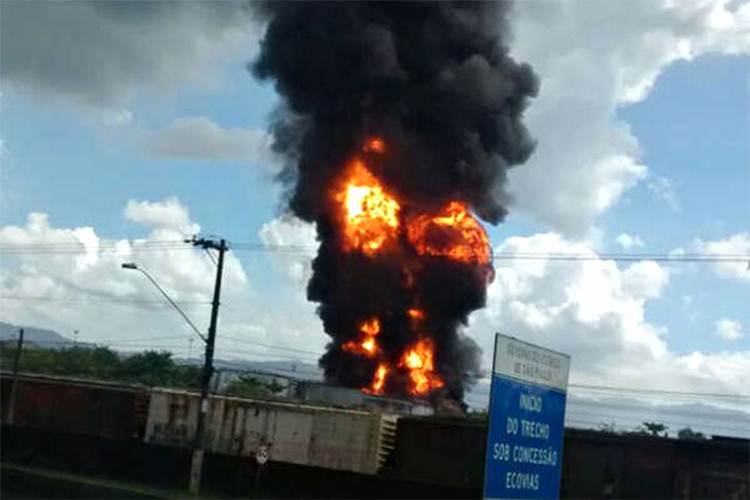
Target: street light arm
(172, 302)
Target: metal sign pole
(489, 409)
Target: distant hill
(36, 336)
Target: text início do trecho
(522, 454)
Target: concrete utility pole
(13, 388)
(196, 469)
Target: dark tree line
(150, 368)
(147, 367)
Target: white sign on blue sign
(526, 415)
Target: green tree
(607, 428)
(187, 376)
(654, 429)
(148, 368)
(101, 363)
(688, 433)
(249, 387)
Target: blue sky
(693, 131)
(689, 133)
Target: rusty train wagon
(301, 434)
(77, 406)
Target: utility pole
(13, 388)
(196, 469)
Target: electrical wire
(663, 418)
(668, 394)
(591, 424)
(167, 245)
(83, 299)
(599, 388)
(271, 346)
(210, 256)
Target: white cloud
(594, 57)
(293, 243)
(115, 117)
(628, 242)
(735, 245)
(664, 190)
(98, 56)
(199, 138)
(169, 215)
(70, 279)
(596, 311)
(728, 329)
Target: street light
(133, 266)
(199, 442)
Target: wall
(298, 434)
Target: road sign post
(527, 410)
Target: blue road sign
(526, 415)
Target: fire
(378, 380)
(415, 313)
(419, 361)
(372, 221)
(370, 327)
(374, 145)
(368, 346)
(453, 233)
(370, 213)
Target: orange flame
(419, 360)
(368, 346)
(453, 233)
(374, 145)
(415, 313)
(370, 213)
(371, 220)
(378, 380)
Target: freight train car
(76, 406)
(595, 464)
(149, 431)
(300, 434)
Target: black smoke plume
(436, 82)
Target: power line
(662, 412)
(168, 245)
(77, 247)
(82, 299)
(584, 387)
(272, 346)
(658, 391)
(680, 421)
(291, 373)
(109, 341)
(590, 424)
(273, 357)
(210, 256)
